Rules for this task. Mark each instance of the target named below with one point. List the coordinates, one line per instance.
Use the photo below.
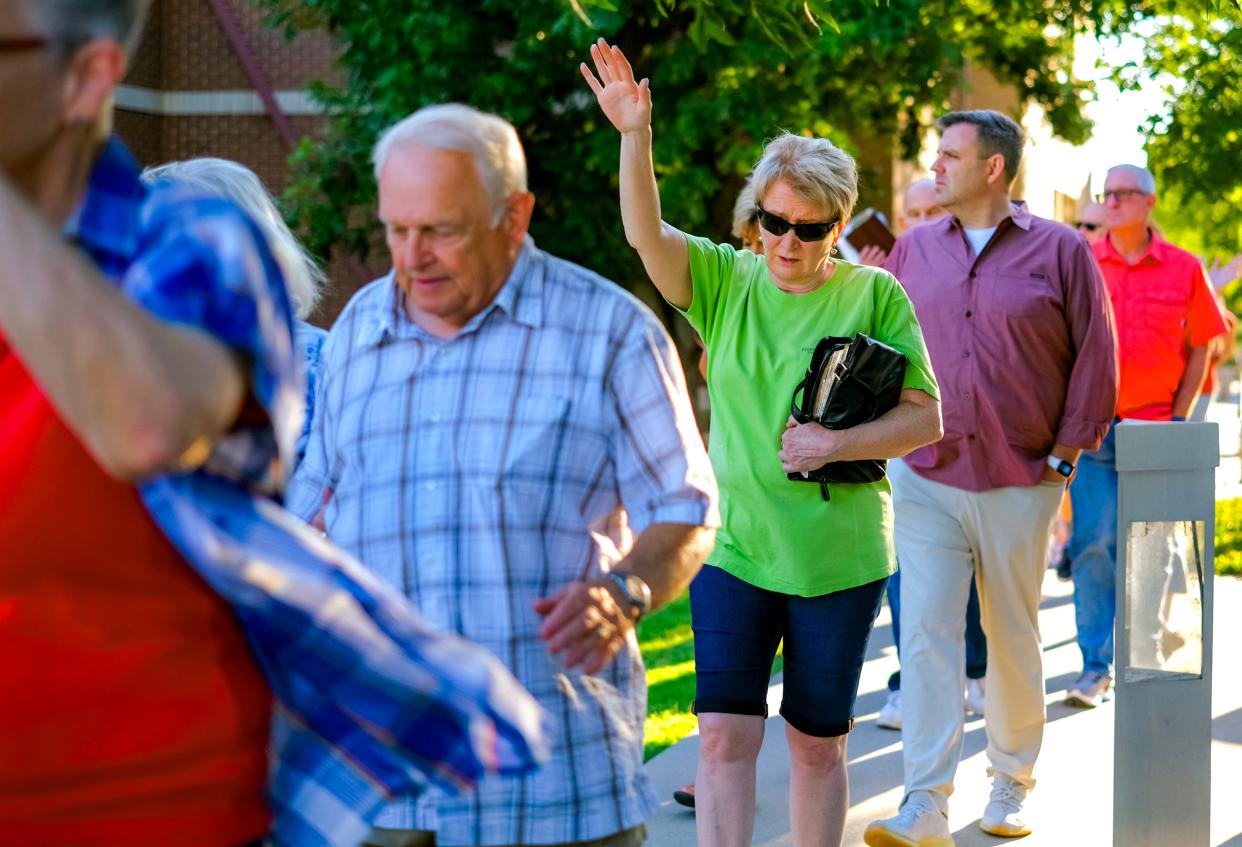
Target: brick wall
(184, 49)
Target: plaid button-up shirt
(482, 472)
(371, 703)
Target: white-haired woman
(786, 565)
(304, 279)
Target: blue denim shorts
(737, 627)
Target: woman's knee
(810, 752)
(726, 739)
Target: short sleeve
(1205, 320)
(898, 327)
(663, 472)
(712, 268)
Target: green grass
(668, 651)
(1229, 537)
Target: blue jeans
(1093, 550)
(976, 641)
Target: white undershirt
(979, 238)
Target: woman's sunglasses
(778, 226)
(1089, 227)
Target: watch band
(635, 591)
(1061, 466)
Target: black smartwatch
(634, 589)
(1062, 467)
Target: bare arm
(1197, 364)
(587, 622)
(627, 104)
(912, 423)
(142, 395)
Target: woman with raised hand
(786, 565)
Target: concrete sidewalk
(1072, 806)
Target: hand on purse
(805, 447)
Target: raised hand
(626, 103)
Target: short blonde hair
(304, 279)
(815, 168)
(745, 212)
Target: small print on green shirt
(775, 533)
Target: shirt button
(435, 417)
(430, 486)
(966, 395)
(970, 437)
(969, 313)
(973, 274)
(965, 354)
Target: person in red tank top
(131, 709)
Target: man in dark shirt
(1017, 321)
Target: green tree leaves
(725, 75)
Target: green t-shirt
(776, 533)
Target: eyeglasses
(1120, 194)
(806, 232)
(1089, 227)
(21, 44)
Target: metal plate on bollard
(1166, 475)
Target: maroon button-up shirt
(1022, 343)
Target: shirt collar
(1157, 251)
(1018, 213)
(107, 220)
(521, 298)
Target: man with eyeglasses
(1017, 322)
(1166, 316)
(1091, 221)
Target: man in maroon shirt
(1017, 321)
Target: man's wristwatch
(634, 589)
(1061, 467)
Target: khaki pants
(633, 837)
(944, 535)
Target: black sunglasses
(1089, 227)
(806, 232)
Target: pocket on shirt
(530, 454)
(1164, 311)
(1023, 295)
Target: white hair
(1146, 182)
(816, 169)
(489, 138)
(304, 279)
(72, 23)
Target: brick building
(210, 79)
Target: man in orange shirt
(1165, 315)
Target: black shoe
(685, 797)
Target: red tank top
(131, 709)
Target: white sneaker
(976, 692)
(918, 824)
(890, 712)
(1003, 813)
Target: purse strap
(794, 408)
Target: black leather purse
(850, 381)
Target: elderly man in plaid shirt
(496, 426)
